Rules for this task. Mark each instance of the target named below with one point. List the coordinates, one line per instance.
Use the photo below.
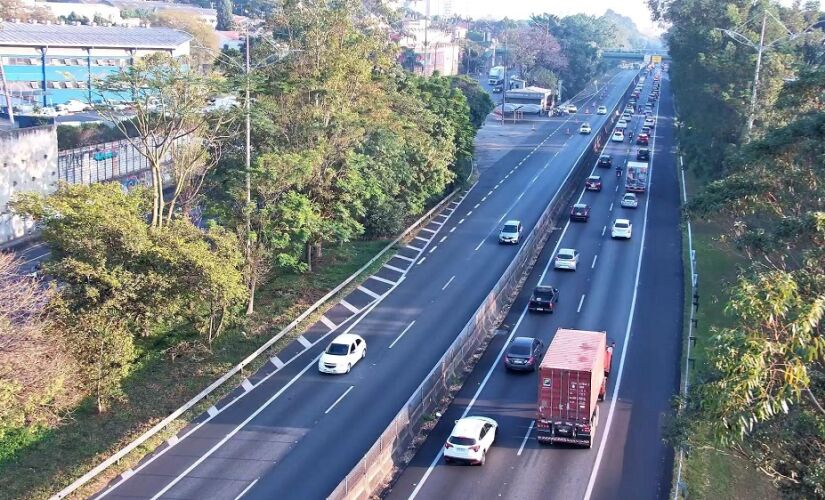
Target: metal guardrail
(120, 454)
(378, 465)
(681, 487)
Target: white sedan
(618, 136)
(470, 440)
(566, 258)
(572, 109)
(622, 123)
(622, 228)
(601, 110)
(629, 200)
(585, 128)
(342, 353)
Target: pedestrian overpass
(635, 54)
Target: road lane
(519, 469)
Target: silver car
(566, 258)
(511, 232)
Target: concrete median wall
(376, 469)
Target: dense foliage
(763, 396)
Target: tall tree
(226, 21)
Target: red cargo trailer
(572, 379)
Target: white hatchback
(566, 258)
(618, 136)
(622, 228)
(585, 128)
(629, 200)
(470, 440)
(601, 110)
(342, 353)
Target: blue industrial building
(50, 64)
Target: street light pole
(248, 163)
(759, 52)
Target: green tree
(224, 13)
(478, 100)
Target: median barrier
(392, 449)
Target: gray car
(523, 354)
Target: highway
(297, 433)
(631, 289)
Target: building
(50, 64)
(531, 99)
(435, 48)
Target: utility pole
(761, 48)
(759, 52)
(6, 92)
(248, 163)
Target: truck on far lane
(636, 180)
(496, 75)
(572, 380)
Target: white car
(601, 110)
(629, 200)
(75, 106)
(511, 232)
(618, 136)
(471, 439)
(650, 122)
(572, 109)
(566, 258)
(622, 123)
(585, 128)
(622, 228)
(342, 353)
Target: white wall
(28, 162)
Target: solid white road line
(448, 283)
(625, 347)
(428, 230)
(526, 436)
(425, 240)
(304, 342)
(349, 306)
(339, 399)
(417, 249)
(594, 261)
(369, 292)
(246, 489)
(402, 257)
(247, 385)
(401, 334)
(396, 269)
(382, 280)
(275, 360)
(212, 411)
(581, 301)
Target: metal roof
(61, 35)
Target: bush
(384, 218)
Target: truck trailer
(636, 180)
(572, 380)
(496, 75)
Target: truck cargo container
(636, 180)
(496, 75)
(572, 380)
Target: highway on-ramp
(631, 289)
(297, 433)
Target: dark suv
(544, 298)
(523, 354)
(605, 161)
(643, 154)
(580, 211)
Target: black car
(605, 161)
(544, 298)
(523, 354)
(643, 154)
(580, 211)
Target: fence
(376, 468)
(105, 162)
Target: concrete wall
(28, 162)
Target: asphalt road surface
(633, 290)
(298, 433)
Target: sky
(521, 9)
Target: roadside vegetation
(755, 413)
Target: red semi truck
(572, 380)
